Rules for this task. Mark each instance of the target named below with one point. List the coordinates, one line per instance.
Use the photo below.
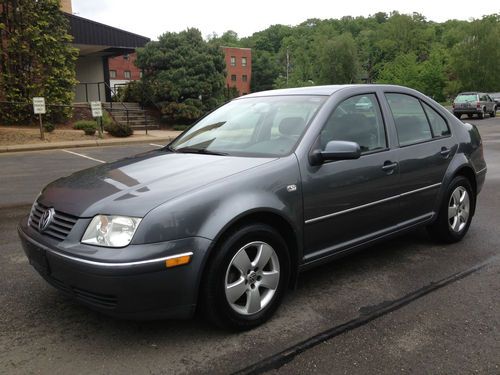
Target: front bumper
(135, 289)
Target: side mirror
(336, 150)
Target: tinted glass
(267, 126)
(357, 119)
(438, 124)
(411, 123)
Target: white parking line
(154, 144)
(83, 156)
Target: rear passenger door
(425, 151)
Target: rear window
(465, 98)
(410, 119)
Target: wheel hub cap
(252, 277)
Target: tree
(338, 60)
(265, 69)
(227, 39)
(475, 58)
(184, 73)
(36, 58)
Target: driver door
(350, 201)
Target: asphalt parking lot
(404, 306)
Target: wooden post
(42, 136)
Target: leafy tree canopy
(185, 75)
(36, 58)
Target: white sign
(96, 109)
(39, 106)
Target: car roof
(469, 93)
(326, 90)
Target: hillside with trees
(439, 59)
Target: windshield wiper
(192, 150)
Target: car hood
(134, 186)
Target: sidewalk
(154, 136)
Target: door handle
(389, 166)
(445, 152)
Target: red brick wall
(120, 64)
(238, 70)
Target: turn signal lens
(178, 260)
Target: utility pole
(287, 65)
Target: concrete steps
(131, 114)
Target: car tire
(493, 113)
(458, 115)
(237, 294)
(470, 115)
(456, 211)
(480, 115)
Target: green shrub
(49, 127)
(184, 113)
(88, 127)
(181, 127)
(117, 130)
(83, 124)
(107, 119)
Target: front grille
(61, 224)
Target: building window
(126, 74)
(233, 77)
(243, 61)
(112, 74)
(233, 61)
(244, 78)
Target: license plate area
(38, 259)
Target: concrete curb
(91, 143)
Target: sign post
(96, 108)
(39, 109)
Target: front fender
(208, 211)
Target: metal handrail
(106, 85)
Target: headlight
(111, 231)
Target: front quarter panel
(208, 211)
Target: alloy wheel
(252, 278)
(458, 209)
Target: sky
(152, 18)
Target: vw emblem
(46, 219)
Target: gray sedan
(223, 220)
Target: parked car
(224, 218)
(496, 97)
(474, 103)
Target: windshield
(264, 126)
(465, 98)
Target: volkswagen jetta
(223, 219)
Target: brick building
(239, 68)
(122, 70)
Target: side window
(357, 119)
(411, 123)
(438, 124)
